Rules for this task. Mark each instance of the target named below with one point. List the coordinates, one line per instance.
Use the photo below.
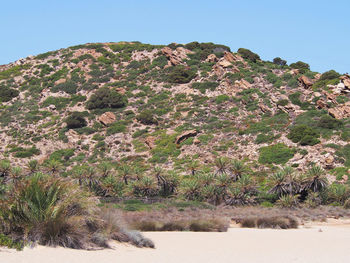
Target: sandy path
(237, 245)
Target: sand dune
(307, 244)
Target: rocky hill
(172, 106)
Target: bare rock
(321, 104)
(346, 80)
(305, 81)
(149, 141)
(185, 135)
(229, 57)
(107, 118)
(224, 63)
(264, 108)
(340, 112)
(212, 58)
(243, 84)
(176, 56)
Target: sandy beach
(323, 242)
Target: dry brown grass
(275, 222)
(172, 219)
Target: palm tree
(237, 168)
(105, 168)
(167, 182)
(193, 166)
(191, 189)
(315, 179)
(54, 166)
(222, 165)
(277, 183)
(5, 167)
(33, 166)
(16, 174)
(292, 182)
(145, 187)
(237, 197)
(125, 172)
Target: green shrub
(21, 152)
(180, 75)
(302, 66)
(278, 153)
(328, 122)
(279, 61)
(283, 102)
(69, 87)
(76, 120)
(247, 54)
(328, 75)
(303, 134)
(45, 210)
(203, 86)
(6, 241)
(106, 98)
(7, 94)
(146, 117)
(116, 128)
(221, 98)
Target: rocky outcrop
(211, 58)
(149, 141)
(340, 112)
(345, 79)
(107, 118)
(305, 81)
(243, 84)
(185, 135)
(176, 56)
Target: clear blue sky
(316, 32)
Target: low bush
(328, 75)
(247, 54)
(146, 117)
(203, 86)
(196, 225)
(279, 61)
(69, 87)
(301, 66)
(303, 134)
(180, 75)
(76, 120)
(278, 154)
(106, 98)
(7, 94)
(274, 222)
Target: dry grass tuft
(274, 222)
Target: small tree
(279, 61)
(247, 54)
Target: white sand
(307, 245)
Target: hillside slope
(167, 106)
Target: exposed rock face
(346, 80)
(149, 141)
(305, 81)
(176, 56)
(107, 118)
(185, 135)
(340, 112)
(321, 104)
(212, 58)
(243, 84)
